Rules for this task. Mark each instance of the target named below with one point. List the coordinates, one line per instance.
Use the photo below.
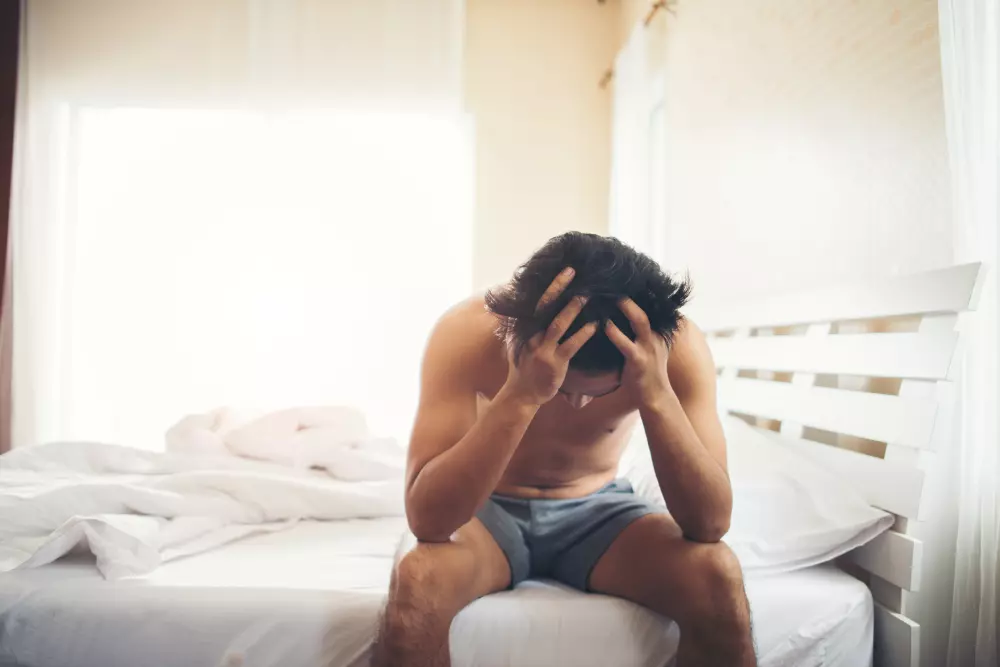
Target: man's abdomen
(556, 468)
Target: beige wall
(806, 143)
(542, 124)
(805, 139)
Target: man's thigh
(650, 563)
(572, 536)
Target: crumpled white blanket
(219, 480)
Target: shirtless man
(512, 462)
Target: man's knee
(718, 601)
(428, 580)
(720, 572)
(415, 617)
(416, 578)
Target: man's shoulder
(688, 333)
(468, 317)
(464, 347)
(690, 361)
(466, 330)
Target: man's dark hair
(606, 270)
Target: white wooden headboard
(855, 377)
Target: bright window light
(259, 260)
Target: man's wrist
(511, 399)
(660, 402)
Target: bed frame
(858, 378)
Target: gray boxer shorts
(561, 539)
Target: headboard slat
(896, 355)
(894, 557)
(951, 289)
(900, 420)
(897, 639)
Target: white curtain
(630, 144)
(970, 57)
(256, 203)
(638, 193)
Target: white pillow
(788, 513)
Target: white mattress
(311, 595)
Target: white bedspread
(224, 477)
(135, 509)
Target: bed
(851, 377)
(311, 595)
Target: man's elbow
(709, 532)
(427, 526)
(427, 532)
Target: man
(516, 445)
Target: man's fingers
(560, 325)
(573, 344)
(621, 341)
(636, 317)
(562, 280)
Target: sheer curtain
(638, 195)
(630, 151)
(257, 203)
(970, 57)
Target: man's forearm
(695, 486)
(450, 488)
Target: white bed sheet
(311, 595)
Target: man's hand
(645, 373)
(536, 375)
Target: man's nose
(578, 400)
